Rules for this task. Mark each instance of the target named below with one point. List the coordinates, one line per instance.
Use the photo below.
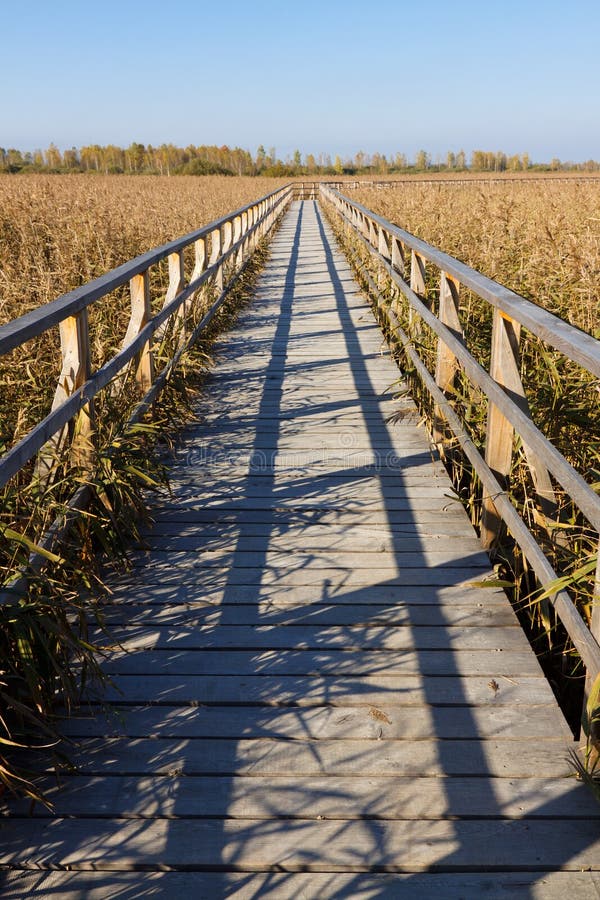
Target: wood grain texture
(291, 886)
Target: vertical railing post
(595, 616)
(418, 273)
(176, 285)
(226, 242)
(269, 215)
(256, 217)
(505, 370)
(399, 266)
(259, 225)
(139, 289)
(373, 236)
(446, 364)
(250, 242)
(499, 431)
(248, 238)
(262, 212)
(238, 227)
(398, 256)
(215, 253)
(227, 231)
(83, 444)
(384, 250)
(200, 258)
(75, 371)
(590, 711)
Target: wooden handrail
(508, 411)
(569, 340)
(74, 394)
(34, 323)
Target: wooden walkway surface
(318, 699)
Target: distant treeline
(211, 160)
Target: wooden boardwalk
(319, 698)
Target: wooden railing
(403, 263)
(309, 190)
(220, 251)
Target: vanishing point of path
(320, 698)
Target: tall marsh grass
(57, 233)
(541, 239)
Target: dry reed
(55, 234)
(542, 239)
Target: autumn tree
(360, 159)
(261, 157)
(134, 157)
(53, 157)
(422, 160)
(14, 160)
(71, 159)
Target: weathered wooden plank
(314, 798)
(252, 370)
(250, 844)
(328, 579)
(157, 663)
(308, 539)
(223, 445)
(273, 393)
(336, 691)
(197, 613)
(267, 430)
(277, 529)
(369, 410)
(177, 592)
(381, 379)
(367, 722)
(290, 886)
(319, 637)
(273, 757)
(385, 561)
(227, 448)
(330, 489)
(394, 519)
(333, 467)
(219, 418)
(192, 498)
(297, 401)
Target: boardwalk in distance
(319, 698)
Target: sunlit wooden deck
(319, 698)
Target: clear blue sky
(332, 76)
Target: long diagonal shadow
(455, 860)
(268, 409)
(299, 501)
